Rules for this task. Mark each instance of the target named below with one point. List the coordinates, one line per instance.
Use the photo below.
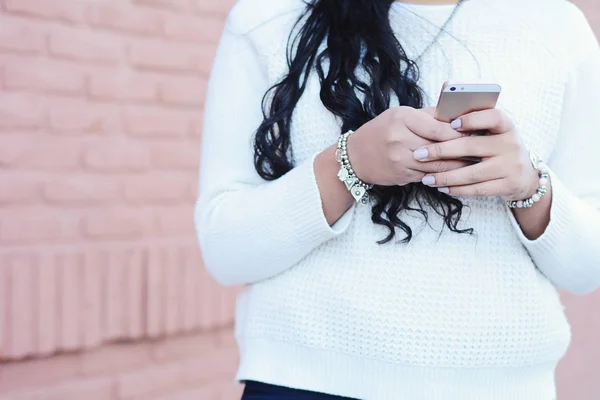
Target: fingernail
(421, 154)
(456, 124)
(428, 180)
(444, 190)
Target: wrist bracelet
(357, 187)
(544, 176)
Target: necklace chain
(442, 29)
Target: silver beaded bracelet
(357, 188)
(544, 176)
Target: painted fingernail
(456, 124)
(421, 154)
(444, 190)
(428, 180)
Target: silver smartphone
(457, 99)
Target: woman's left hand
(505, 169)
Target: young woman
(431, 277)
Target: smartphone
(457, 99)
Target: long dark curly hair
(357, 36)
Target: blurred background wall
(102, 294)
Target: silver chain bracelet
(357, 187)
(544, 176)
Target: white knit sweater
(450, 317)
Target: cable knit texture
(452, 317)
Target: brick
(178, 5)
(69, 267)
(193, 190)
(177, 155)
(95, 262)
(88, 389)
(176, 221)
(83, 117)
(43, 74)
(13, 146)
(207, 54)
(39, 372)
(19, 188)
(157, 122)
(144, 382)
(29, 151)
(120, 84)
(116, 358)
(22, 111)
(124, 17)
(156, 188)
(82, 45)
(19, 339)
(115, 284)
(213, 7)
(218, 364)
(207, 392)
(116, 224)
(161, 55)
(135, 294)
(191, 28)
(69, 12)
(197, 124)
(182, 91)
(4, 308)
(36, 226)
(81, 189)
(183, 347)
(116, 155)
(48, 300)
(174, 286)
(155, 291)
(21, 37)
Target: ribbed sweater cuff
(560, 218)
(305, 211)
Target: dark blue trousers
(263, 391)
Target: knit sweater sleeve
(250, 229)
(568, 253)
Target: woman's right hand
(381, 151)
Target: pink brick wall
(100, 119)
(101, 296)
